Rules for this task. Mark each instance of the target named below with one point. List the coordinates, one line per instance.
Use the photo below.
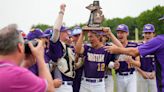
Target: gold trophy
(96, 17)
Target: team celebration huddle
(90, 58)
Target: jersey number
(101, 67)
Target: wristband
(61, 12)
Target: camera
(27, 48)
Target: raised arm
(107, 30)
(79, 45)
(58, 24)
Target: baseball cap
(98, 32)
(36, 33)
(63, 29)
(148, 28)
(48, 31)
(76, 31)
(122, 27)
(162, 18)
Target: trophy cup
(96, 17)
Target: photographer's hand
(38, 52)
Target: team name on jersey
(131, 45)
(95, 57)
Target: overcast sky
(28, 12)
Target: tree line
(148, 16)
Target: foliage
(42, 26)
(148, 16)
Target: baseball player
(109, 82)
(125, 74)
(146, 73)
(78, 59)
(51, 55)
(61, 53)
(156, 47)
(95, 60)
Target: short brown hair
(9, 38)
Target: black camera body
(27, 48)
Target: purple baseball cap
(122, 27)
(48, 31)
(98, 32)
(36, 33)
(148, 28)
(76, 31)
(63, 29)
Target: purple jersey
(147, 62)
(95, 61)
(156, 46)
(54, 52)
(123, 65)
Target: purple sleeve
(28, 82)
(150, 47)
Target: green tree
(42, 26)
(151, 16)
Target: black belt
(106, 76)
(93, 80)
(125, 73)
(67, 83)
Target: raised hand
(62, 8)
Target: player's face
(75, 38)
(148, 35)
(46, 42)
(64, 36)
(104, 39)
(122, 35)
(93, 39)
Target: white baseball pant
(146, 85)
(92, 87)
(109, 83)
(126, 83)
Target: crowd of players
(63, 62)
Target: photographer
(17, 79)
